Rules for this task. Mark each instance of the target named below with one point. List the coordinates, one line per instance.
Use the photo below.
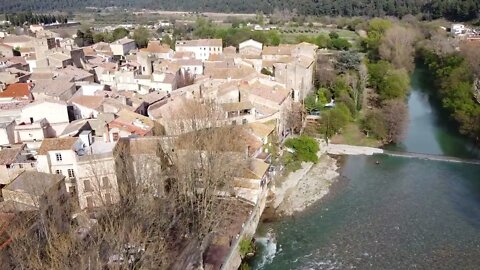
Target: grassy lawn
(352, 135)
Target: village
(181, 139)
(70, 115)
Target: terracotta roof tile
(156, 47)
(17, 90)
(9, 155)
(92, 102)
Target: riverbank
(311, 187)
(310, 183)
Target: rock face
(476, 90)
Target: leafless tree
(324, 71)
(174, 192)
(441, 43)
(470, 50)
(398, 46)
(294, 118)
(395, 114)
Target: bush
(348, 61)
(305, 148)
(389, 83)
(394, 85)
(340, 44)
(334, 120)
(374, 124)
(246, 246)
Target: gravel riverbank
(307, 185)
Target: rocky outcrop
(476, 90)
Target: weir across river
(343, 149)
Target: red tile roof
(17, 90)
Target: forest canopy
(457, 10)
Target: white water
(269, 250)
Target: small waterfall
(266, 249)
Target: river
(401, 214)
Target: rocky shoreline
(307, 185)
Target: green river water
(401, 214)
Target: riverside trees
(454, 78)
(390, 48)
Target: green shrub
(305, 148)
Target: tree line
(21, 18)
(454, 75)
(457, 10)
(141, 36)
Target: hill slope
(452, 9)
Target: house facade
(202, 48)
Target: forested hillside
(458, 10)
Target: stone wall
(233, 260)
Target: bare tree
(174, 192)
(441, 43)
(398, 46)
(395, 115)
(470, 51)
(324, 71)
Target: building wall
(90, 89)
(201, 52)
(122, 49)
(196, 70)
(43, 164)
(53, 112)
(101, 176)
(82, 112)
(233, 259)
(251, 43)
(32, 134)
(7, 134)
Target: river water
(401, 214)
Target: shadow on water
(431, 130)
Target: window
(87, 185)
(89, 202)
(58, 171)
(105, 182)
(244, 121)
(115, 136)
(108, 198)
(234, 122)
(71, 173)
(58, 156)
(20, 166)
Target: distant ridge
(457, 10)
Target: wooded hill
(456, 10)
